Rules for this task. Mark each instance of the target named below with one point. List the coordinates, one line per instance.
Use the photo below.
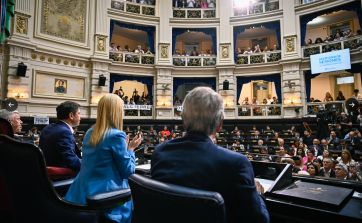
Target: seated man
(57, 140)
(195, 161)
(14, 118)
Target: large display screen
(331, 61)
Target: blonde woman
(108, 158)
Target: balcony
(136, 8)
(258, 58)
(194, 13)
(335, 107)
(260, 7)
(351, 43)
(139, 111)
(259, 110)
(194, 61)
(304, 2)
(134, 58)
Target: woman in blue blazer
(107, 160)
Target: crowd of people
(135, 99)
(184, 156)
(145, 2)
(193, 52)
(257, 49)
(339, 35)
(204, 4)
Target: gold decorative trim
(290, 44)
(164, 48)
(34, 56)
(63, 21)
(72, 63)
(50, 59)
(21, 24)
(65, 62)
(42, 58)
(101, 43)
(58, 60)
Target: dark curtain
(150, 30)
(308, 76)
(353, 6)
(208, 31)
(211, 81)
(121, 77)
(275, 25)
(271, 78)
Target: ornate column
(292, 79)
(100, 59)
(163, 80)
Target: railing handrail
(134, 3)
(262, 53)
(133, 53)
(200, 56)
(250, 7)
(192, 9)
(331, 42)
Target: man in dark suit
(195, 161)
(57, 140)
(326, 170)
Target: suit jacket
(59, 147)
(105, 167)
(332, 174)
(194, 161)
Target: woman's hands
(135, 142)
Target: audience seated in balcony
(328, 97)
(340, 96)
(194, 52)
(191, 3)
(257, 49)
(139, 49)
(248, 51)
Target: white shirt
(70, 127)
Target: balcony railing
(304, 2)
(136, 58)
(194, 61)
(136, 8)
(331, 107)
(256, 58)
(351, 43)
(194, 13)
(138, 110)
(257, 8)
(259, 110)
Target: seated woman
(340, 96)
(257, 49)
(328, 97)
(108, 158)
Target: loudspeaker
(21, 71)
(225, 85)
(102, 80)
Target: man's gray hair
(203, 110)
(5, 114)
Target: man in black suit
(326, 170)
(57, 140)
(195, 161)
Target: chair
(55, 173)
(6, 128)
(159, 202)
(33, 198)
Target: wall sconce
(102, 80)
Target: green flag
(6, 29)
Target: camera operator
(323, 119)
(345, 122)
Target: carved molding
(64, 21)
(101, 43)
(164, 48)
(21, 24)
(290, 44)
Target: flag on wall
(7, 8)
